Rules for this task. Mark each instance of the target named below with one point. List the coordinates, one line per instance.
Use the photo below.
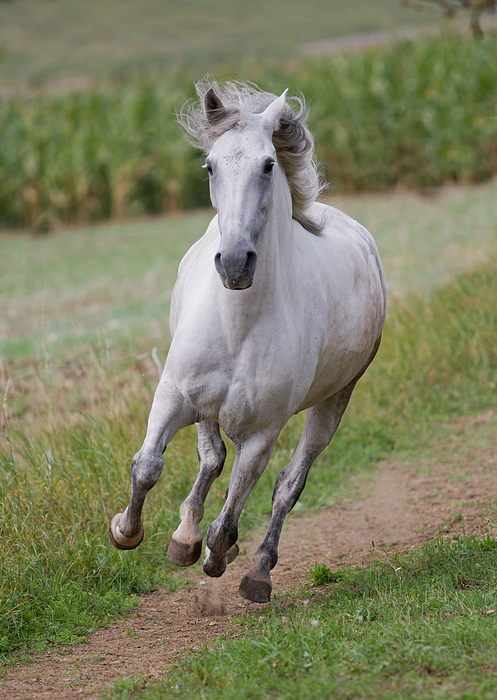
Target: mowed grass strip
(105, 287)
(410, 626)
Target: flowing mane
(293, 141)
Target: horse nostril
(219, 264)
(251, 262)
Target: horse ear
(274, 112)
(214, 108)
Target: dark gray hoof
(120, 541)
(214, 569)
(254, 589)
(184, 554)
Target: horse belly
(331, 377)
(345, 353)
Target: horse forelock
(293, 141)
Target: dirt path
(403, 504)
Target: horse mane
(293, 141)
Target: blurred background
(47, 41)
(88, 94)
(100, 197)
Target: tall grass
(60, 485)
(441, 352)
(419, 113)
(60, 577)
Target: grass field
(83, 309)
(44, 41)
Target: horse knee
(145, 470)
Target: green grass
(107, 287)
(45, 41)
(68, 434)
(415, 626)
(322, 574)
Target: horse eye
(208, 167)
(268, 167)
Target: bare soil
(453, 489)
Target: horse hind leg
(321, 424)
(186, 542)
(169, 414)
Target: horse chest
(238, 378)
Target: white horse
(278, 308)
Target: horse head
(241, 166)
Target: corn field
(418, 113)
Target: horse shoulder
(349, 254)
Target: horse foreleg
(251, 459)
(170, 412)
(186, 542)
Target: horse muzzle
(236, 271)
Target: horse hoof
(215, 569)
(254, 589)
(119, 540)
(184, 554)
